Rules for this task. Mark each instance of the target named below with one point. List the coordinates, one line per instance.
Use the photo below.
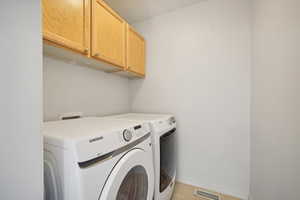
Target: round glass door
(135, 185)
(132, 178)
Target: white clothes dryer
(98, 159)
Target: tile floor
(185, 192)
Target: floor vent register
(206, 195)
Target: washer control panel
(105, 142)
(133, 133)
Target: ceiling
(139, 10)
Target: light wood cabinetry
(135, 52)
(66, 23)
(108, 38)
(91, 28)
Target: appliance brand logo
(96, 139)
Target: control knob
(127, 135)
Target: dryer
(163, 131)
(98, 159)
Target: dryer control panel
(164, 124)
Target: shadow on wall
(70, 87)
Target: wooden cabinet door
(135, 52)
(65, 23)
(108, 34)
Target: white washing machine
(163, 129)
(98, 159)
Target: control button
(172, 120)
(127, 135)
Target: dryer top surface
(144, 117)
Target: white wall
(69, 87)
(198, 68)
(21, 161)
(275, 137)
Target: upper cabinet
(103, 39)
(66, 23)
(135, 52)
(108, 34)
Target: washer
(98, 159)
(163, 128)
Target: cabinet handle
(96, 54)
(86, 50)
